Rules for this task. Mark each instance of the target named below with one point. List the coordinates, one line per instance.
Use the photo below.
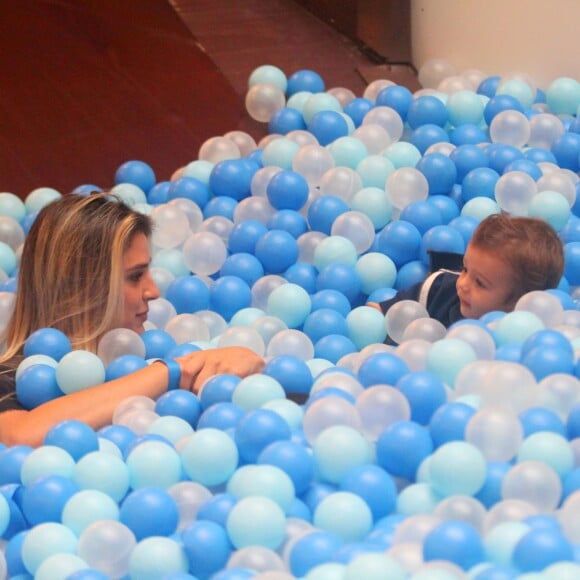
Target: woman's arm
(96, 405)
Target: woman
(85, 271)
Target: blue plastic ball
(287, 190)
(324, 321)
(179, 403)
(207, 547)
(225, 415)
(402, 447)
(228, 295)
(258, 429)
(468, 134)
(375, 486)
(427, 110)
(382, 368)
(277, 250)
(304, 80)
(488, 86)
(333, 347)
(285, 120)
(290, 221)
(440, 172)
(136, 172)
(426, 135)
(49, 341)
(499, 103)
(328, 126)
(401, 241)
(291, 372)
(537, 549)
(157, 343)
(189, 188)
(479, 182)
(425, 392)
(341, 277)
(159, 193)
(467, 158)
(422, 214)
(332, 299)
(397, 97)
(311, 550)
(75, 437)
(448, 423)
(357, 108)
(44, 498)
(245, 235)
(222, 205)
(324, 210)
(149, 511)
(455, 541)
(37, 385)
(124, 365)
(292, 458)
(244, 266)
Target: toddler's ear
(445, 261)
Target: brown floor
(88, 85)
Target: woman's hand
(199, 366)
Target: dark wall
(382, 26)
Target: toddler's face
(485, 284)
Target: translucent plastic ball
(514, 192)
(406, 185)
(263, 100)
(356, 227)
(312, 162)
(291, 342)
(375, 87)
(510, 127)
(375, 138)
(400, 315)
(379, 407)
(496, 432)
(204, 253)
(534, 482)
(119, 342)
(388, 119)
(328, 412)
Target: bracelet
(174, 372)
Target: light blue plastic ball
(345, 514)
(78, 370)
(209, 457)
(86, 507)
(290, 303)
(157, 557)
(103, 472)
(366, 326)
(256, 521)
(552, 207)
(46, 540)
(270, 74)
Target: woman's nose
(151, 290)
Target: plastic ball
(514, 192)
(291, 372)
(539, 548)
(207, 547)
(36, 385)
(496, 432)
(425, 393)
(44, 541)
(86, 507)
(304, 80)
(199, 454)
(454, 541)
(75, 437)
(428, 135)
(345, 514)
(204, 253)
(256, 521)
(400, 315)
(406, 185)
(119, 342)
(149, 511)
(550, 206)
(357, 108)
(551, 448)
(311, 550)
(563, 96)
(48, 341)
(103, 472)
(256, 430)
(402, 447)
(427, 110)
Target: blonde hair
(529, 246)
(71, 272)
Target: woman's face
(138, 286)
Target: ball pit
(454, 453)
